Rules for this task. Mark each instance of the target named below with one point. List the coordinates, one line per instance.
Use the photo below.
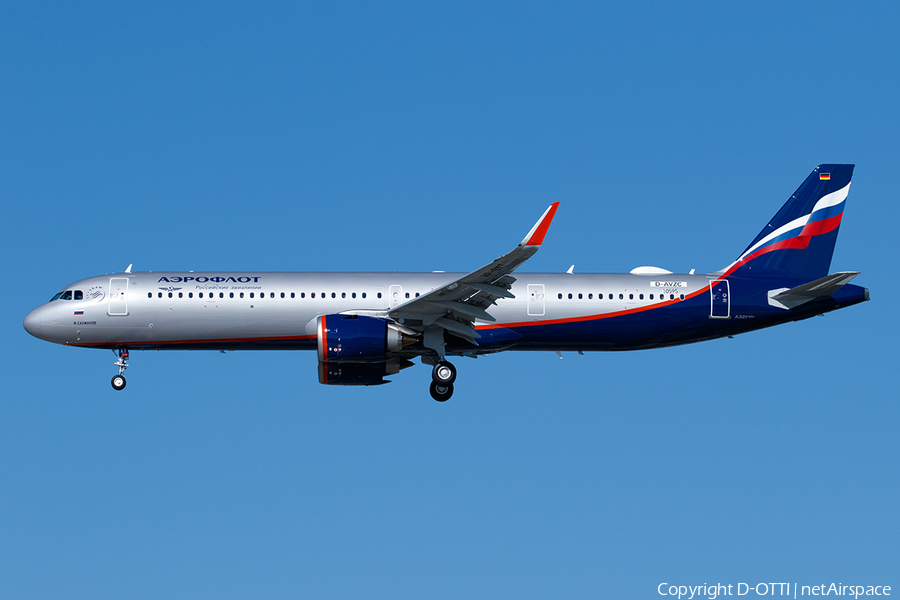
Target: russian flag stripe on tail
(799, 240)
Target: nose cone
(32, 323)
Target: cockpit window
(67, 295)
(79, 295)
(56, 297)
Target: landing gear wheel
(443, 373)
(441, 393)
(118, 381)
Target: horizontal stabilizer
(820, 288)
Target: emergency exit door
(535, 300)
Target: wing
(454, 306)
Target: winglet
(535, 237)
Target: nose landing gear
(443, 375)
(118, 381)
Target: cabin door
(719, 299)
(118, 302)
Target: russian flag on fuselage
(800, 239)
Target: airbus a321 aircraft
(366, 326)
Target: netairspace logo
(713, 591)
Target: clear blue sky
(384, 136)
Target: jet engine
(358, 339)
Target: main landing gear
(443, 375)
(118, 381)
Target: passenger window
(149, 295)
(333, 295)
(651, 296)
(682, 296)
(303, 294)
(559, 296)
(631, 296)
(343, 294)
(379, 294)
(170, 294)
(160, 295)
(407, 294)
(190, 294)
(671, 296)
(251, 294)
(292, 294)
(231, 294)
(353, 295)
(242, 294)
(221, 294)
(363, 294)
(621, 297)
(590, 296)
(417, 294)
(610, 296)
(641, 296)
(580, 297)
(272, 295)
(79, 295)
(570, 296)
(282, 294)
(181, 294)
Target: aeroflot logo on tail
(204, 279)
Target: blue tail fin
(799, 240)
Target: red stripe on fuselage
(596, 317)
(211, 341)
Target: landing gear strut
(443, 375)
(118, 381)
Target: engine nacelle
(357, 339)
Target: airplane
(368, 326)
